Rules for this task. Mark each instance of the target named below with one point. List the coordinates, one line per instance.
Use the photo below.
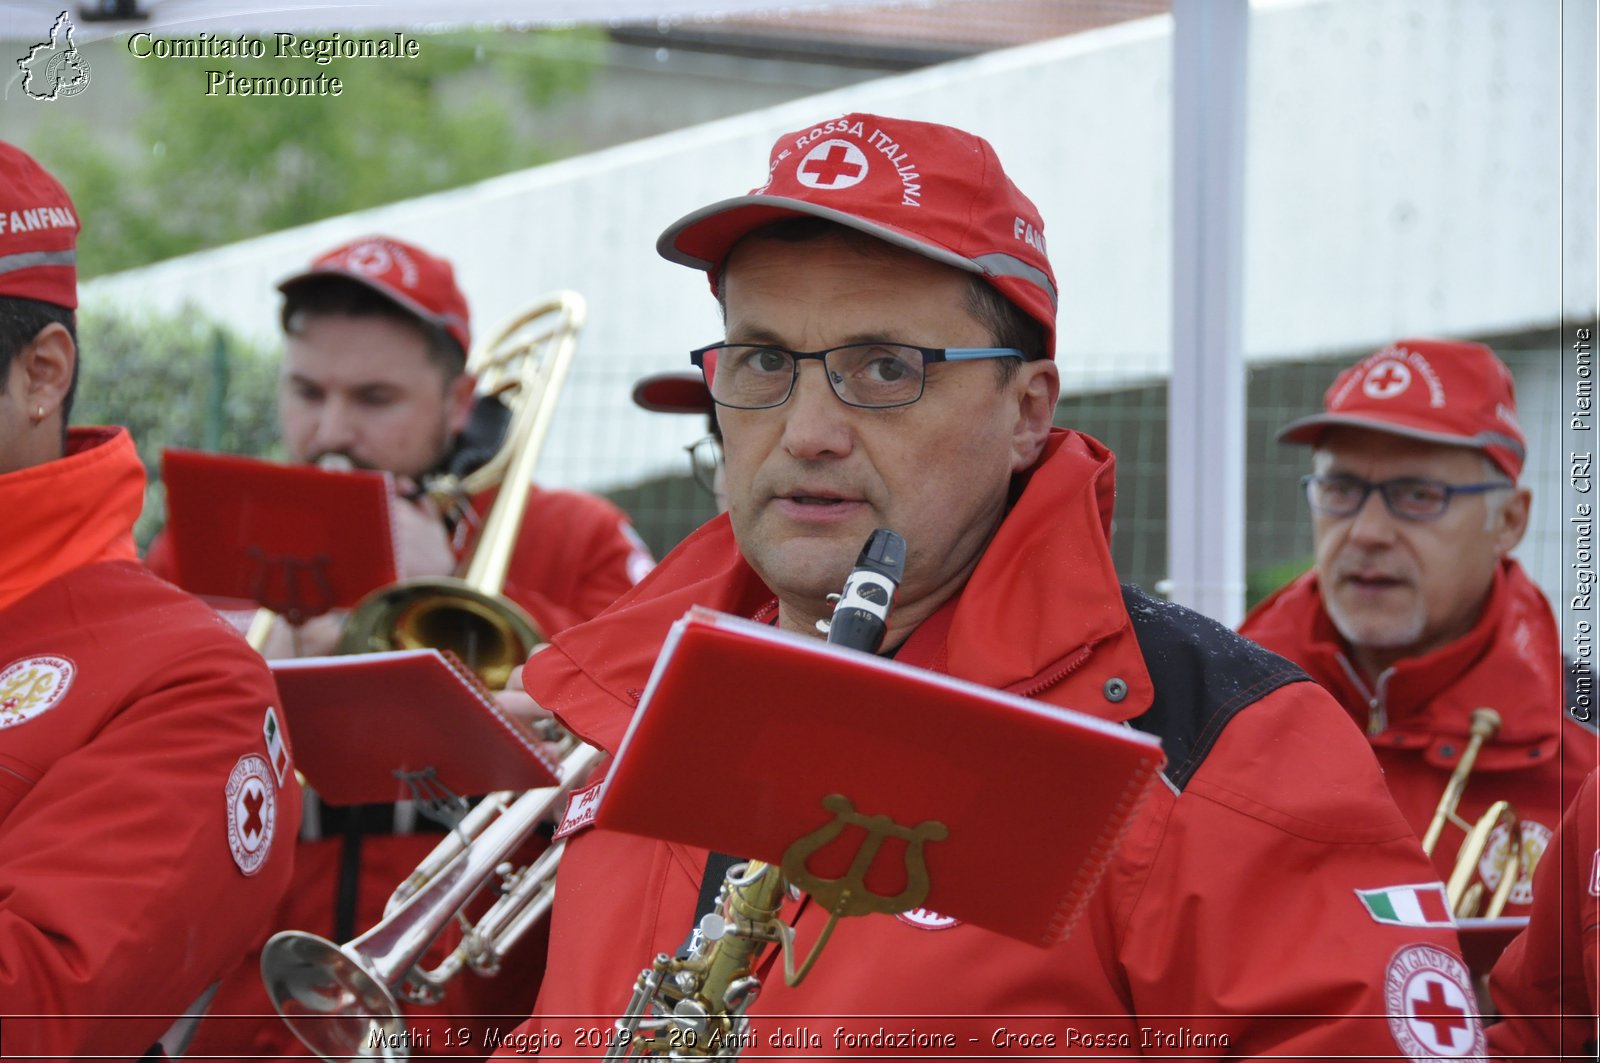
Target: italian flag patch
(1423, 904)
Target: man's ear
(459, 399)
(47, 361)
(1511, 524)
(1036, 387)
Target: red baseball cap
(928, 188)
(676, 391)
(38, 233)
(1439, 391)
(422, 283)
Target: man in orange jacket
(890, 316)
(1415, 614)
(147, 797)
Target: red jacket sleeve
(138, 865)
(1249, 928)
(575, 555)
(1546, 984)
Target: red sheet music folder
(293, 538)
(744, 730)
(356, 721)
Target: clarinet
(694, 1007)
(861, 613)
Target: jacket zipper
(1377, 713)
(1041, 685)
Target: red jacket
(1417, 716)
(1228, 922)
(147, 806)
(575, 553)
(1547, 982)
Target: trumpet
(523, 368)
(341, 1000)
(1464, 894)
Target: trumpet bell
(489, 633)
(330, 1000)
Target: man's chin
(806, 569)
(1375, 629)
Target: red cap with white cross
(1438, 391)
(931, 189)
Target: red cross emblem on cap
(370, 258)
(1386, 379)
(832, 164)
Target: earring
(39, 416)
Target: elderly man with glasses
(888, 361)
(1415, 615)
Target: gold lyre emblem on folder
(848, 894)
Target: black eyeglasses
(705, 458)
(871, 375)
(1408, 498)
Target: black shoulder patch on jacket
(1203, 675)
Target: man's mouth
(1372, 581)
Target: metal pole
(1205, 437)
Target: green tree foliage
(217, 168)
(174, 381)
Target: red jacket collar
(71, 512)
(1042, 598)
(1510, 661)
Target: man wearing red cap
(1415, 614)
(890, 324)
(374, 374)
(147, 798)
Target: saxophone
(693, 1006)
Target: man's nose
(816, 421)
(1373, 522)
(336, 429)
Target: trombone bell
(489, 633)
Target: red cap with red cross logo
(419, 282)
(931, 189)
(38, 233)
(1438, 391)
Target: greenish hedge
(175, 381)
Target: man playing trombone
(888, 361)
(1416, 617)
(375, 376)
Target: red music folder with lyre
(361, 724)
(293, 538)
(744, 731)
